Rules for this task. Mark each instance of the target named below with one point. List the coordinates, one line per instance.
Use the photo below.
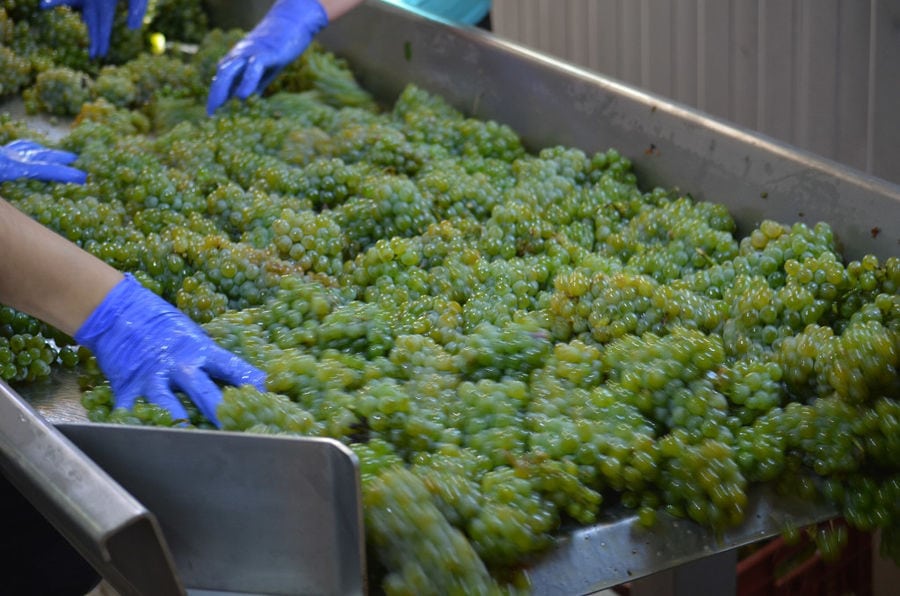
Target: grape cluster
(512, 342)
(60, 91)
(326, 74)
(404, 523)
(16, 71)
(30, 349)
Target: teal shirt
(461, 11)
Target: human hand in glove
(27, 159)
(148, 348)
(282, 35)
(98, 16)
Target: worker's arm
(338, 8)
(145, 346)
(41, 273)
(46, 276)
(279, 38)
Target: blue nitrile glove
(98, 16)
(148, 348)
(27, 159)
(281, 36)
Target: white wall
(820, 74)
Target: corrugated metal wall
(820, 74)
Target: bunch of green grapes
(859, 364)
(243, 273)
(453, 270)
(17, 71)
(245, 214)
(427, 119)
(46, 38)
(675, 237)
(753, 386)
(415, 356)
(25, 357)
(452, 474)
(327, 74)
(314, 241)
(612, 303)
(29, 349)
(436, 318)
(248, 409)
(358, 328)
(151, 75)
(505, 291)
(515, 228)
(100, 404)
(386, 206)
(490, 416)
(611, 442)
(701, 481)
(667, 378)
(328, 182)
(49, 39)
(198, 298)
(382, 146)
(457, 193)
(514, 518)
(59, 36)
(488, 139)
(511, 350)
(772, 244)
(871, 283)
(823, 434)
(59, 91)
(761, 447)
(423, 551)
(560, 482)
(394, 263)
(877, 425)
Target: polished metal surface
(56, 399)
(52, 128)
(111, 529)
(242, 513)
(621, 550)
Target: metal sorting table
(551, 103)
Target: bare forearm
(46, 276)
(337, 8)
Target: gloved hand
(281, 36)
(98, 15)
(27, 159)
(148, 348)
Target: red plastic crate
(781, 569)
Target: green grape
(246, 407)
(412, 537)
(16, 71)
(59, 91)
